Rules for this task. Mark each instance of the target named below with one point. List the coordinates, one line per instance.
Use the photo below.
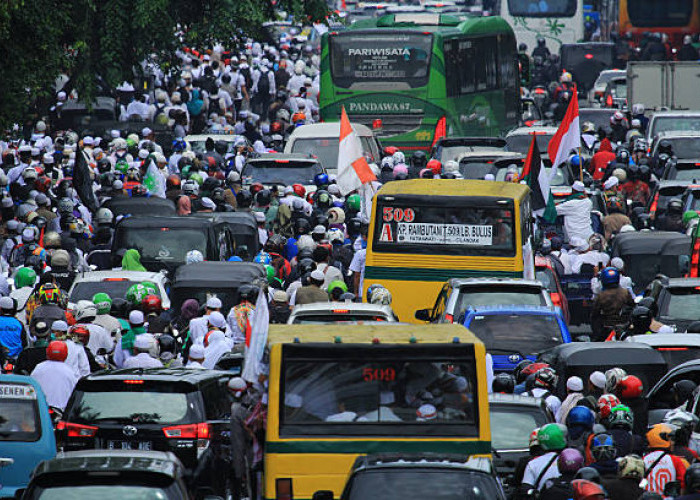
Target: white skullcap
(143, 341)
(217, 320)
(574, 384)
(597, 378)
(208, 203)
(578, 186)
(611, 183)
(136, 318)
(146, 131)
(214, 303)
(197, 351)
(617, 263)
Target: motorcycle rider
(609, 304)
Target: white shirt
(552, 402)
(577, 218)
(77, 360)
(99, 339)
(142, 360)
(358, 266)
(199, 328)
(535, 467)
(331, 273)
(196, 365)
(592, 257)
(57, 381)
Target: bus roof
(455, 187)
(397, 333)
(444, 24)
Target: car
(115, 284)
(674, 347)
(664, 192)
(677, 300)
(458, 294)
(26, 432)
(109, 474)
(518, 140)
(615, 95)
(196, 142)
(478, 165)
(175, 410)
(340, 312)
(601, 83)
(455, 148)
(281, 169)
(691, 198)
(600, 117)
(514, 333)
(400, 476)
(321, 141)
(684, 144)
(514, 416)
(687, 170)
(547, 275)
(661, 398)
(673, 121)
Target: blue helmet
(609, 277)
(603, 447)
(321, 179)
(580, 415)
(263, 258)
(179, 144)
(575, 160)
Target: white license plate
(130, 445)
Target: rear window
(163, 244)
(281, 172)
(488, 295)
(675, 124)
(316, 319)
(326, 149)
(19, 413)
(683, 304)
(520, 143)
(686, 173)
(85, 290)
(514, 427)
(525, 334)
(103, 492)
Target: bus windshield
(445, 226)
(655, 13)
(369, 57)
(542, 8)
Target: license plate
(130, 445)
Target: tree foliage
(107, 39)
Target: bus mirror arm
(423, 315)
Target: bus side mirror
(323, 495)
(422, 315)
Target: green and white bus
(416, 77)
(557, 21)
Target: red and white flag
(568, 135)
(353, 169)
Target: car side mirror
(323, 495)
(423, 315)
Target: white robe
(57, 381)
(142, 360)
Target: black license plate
(130, 445)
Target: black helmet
(321, 220)
(419, 160)
(651, 304)
(221, 147)
(306, 266)
(632, 171)
(263, 197)
(665, 146)
(167, 343)
(302, 226)
(305, 253)
(244, 199)
(504, 382)
(354, 226)
(692, 479)
(104, 165)
(541, 42)
(323, 199)
(248, 292)
(644, 172)
(275, 244)
(622, 155)
(210, 184)
(519, 368)
(641, 319)
(588, 473)
(217, 196)
(675, 205)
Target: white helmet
(194, 256)
(336, 215)
(85, 310)
(381, 296)
(190, 187)
(335, 234)
(398, 157)
(104, 216)
(451, 167)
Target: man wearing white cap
(199, 326)
(217, 346)
(77, 359)
(196, 357)
(625, 281)
(574, 391)
(596, 384)
(142, 350)
(577, 213)
(125, 347)
(312, 292)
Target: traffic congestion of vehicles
(421, 249)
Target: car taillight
(283, 489)
(654, 205)
(695, 258)
(440, 130)
(77, 430)
(609, 101)
(190, 431)
(556, 299)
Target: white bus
(557, 21)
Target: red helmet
(151, 304)
(275, 127)
(630, 387)
(606, 403)
(173, 181)
(533, 368)
(299, 190)
(81, 333)
(435, 166)
(57, 351)
(587, 490)
(255, 188)
(310, 198)
(390, 150)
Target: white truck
(663, 84)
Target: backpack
(283, 222)
(245, 72)
(160, 117)
(264, 84)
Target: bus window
(378, 57)
(652, 13)
(542, 8)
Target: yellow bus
(426, 231)
(337, 393)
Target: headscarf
(129, 337)
(218, 346)
(184, 205)
(132, 261)
(189, 309)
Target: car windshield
(683, 303)
(520, 143)
(115, 288)
(675, 124)
(561, 176)
(19, 413)
(325, 318)
(281, 172)
(326, 150)
(411, 482)
(448, 153)
(619, 88)
(130, 406)
(524, 333)
(490, 295)
(654, 13)
(686, 147)
(545, 276)
(514, 427)
(200, 146)
(164, 244)
(103, 492)
(684, 174)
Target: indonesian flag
(535, 175)
(353, 170)
(568, 135)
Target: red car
(545, 273)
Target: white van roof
(331, 129)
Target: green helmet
(121, 166)
(151, 287)
(185, 172)
(136, 293)
(688, 216)
(353, 202)
(552, 437)
(197, 178)
(337, 284)
(130, 143)
(621, 417)
(103, 302)
(25, 276)
(270, 273)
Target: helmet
(622, 155)
(321, 180)
(675, 205)
(612, 378)
(685, 421)
(270, 272)
(371, 289)
(263, 197)
(248, 292)
(190, 188)
(42, 329)
(435, 166)
(193, 256)
(57, 351)
(336, 289)
(80, 333)
(546, 378)
(256, 187)
(232, 178)
(519, 368)
(85, 311)
(299, 190)
(323, 199)
(336, 215)
(552, 437)
(533, 441)
(381, 296)
(692, 479)
(609, 278)
(52, 239)
(665, 146)
(398, 157)
(606, 403)
(580, 415)
(621, 418)
(589, 474)
(587, 490)
(25, 276)
(531, 369)
(661, 436)
(167, 343)
(151, 304)
(587, 127)
(173, 181)
(49, 294)
(570, 460)
(244, 198)
(603, 448)
(629, 387)
(566, 77)
(136, 293)
(263, 258)
(353, 202)
(104, 216)
(503, 382)
(103, 302)
(197, 178)
(631, 466)
(306, 266)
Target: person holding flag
(537, 179)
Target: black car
(400, 476)
(177, 410)
(677, 300)
(513, 417)
(109, 475)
